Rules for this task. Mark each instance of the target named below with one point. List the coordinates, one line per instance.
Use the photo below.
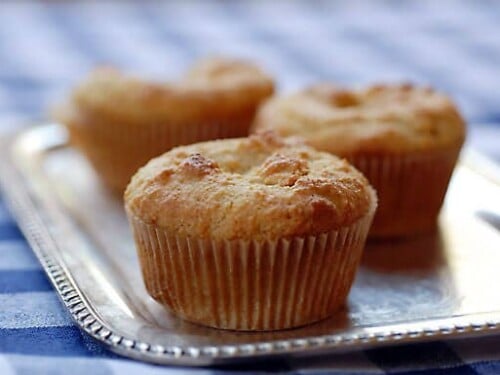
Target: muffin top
(212, 88)
(376, 119)
(261, 187)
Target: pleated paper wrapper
(250, 284)
(410, 188)
(117, 150)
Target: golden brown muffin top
(212, 87)
(261, 187)
(379, 118)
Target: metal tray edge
(24, 206)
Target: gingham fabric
(47, 46)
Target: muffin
(120, 122)
(405, 139)
(255, 233)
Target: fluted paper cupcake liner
(251, 285)
(117, 150)
(411, 189)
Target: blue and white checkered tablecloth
(46, 46)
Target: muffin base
(411, 189)
(117, 150)
(251, 285)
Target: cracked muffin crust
(257, 233)
(380, 118)
(256, 187)
(211, 89)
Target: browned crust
(248, 188)
(212, 89)
(378, 119)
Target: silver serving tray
(438, 286)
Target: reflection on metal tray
(424, 288)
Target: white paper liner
(251, 285)
(411, 189)
(117, 150)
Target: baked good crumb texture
(254, 233)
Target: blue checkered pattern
(46, 46)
